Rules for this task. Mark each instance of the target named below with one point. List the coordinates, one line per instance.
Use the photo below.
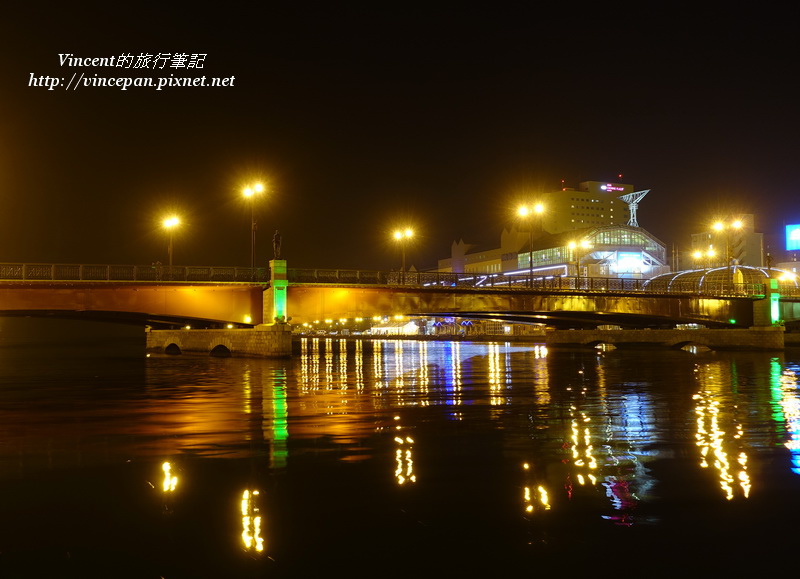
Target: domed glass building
(717, 277)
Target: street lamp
(576, 247)
(250, 193)
(170, 223)
(704, 258)
(719, 227)
(527, 212)
(402, 236)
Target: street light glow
(401, 235)
(171, 222)
(250, 192)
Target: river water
(395, 458)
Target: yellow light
(247, 319)
(719, 226)
(523, 211)
(538, 208)
(170, 482)
(737, 224)
(171, 222)
(230, 326)
(187, 327)
(251, 191)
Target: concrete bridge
(569, 302)
(216, 297)
(144, 295)
(237, 298)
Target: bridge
(157, 296)
(556, 301)
(220, 297)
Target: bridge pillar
(767, 312)
(275, 296)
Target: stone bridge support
(755, 338)
(264, 341)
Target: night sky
(360, 120)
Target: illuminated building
(607, 251)
(591, 231)
(592, 204)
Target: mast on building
(632, 199)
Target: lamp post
(527, 212)
(250, 193)
(402, 236)
(727, 228)
(576, 247)
(170, 223)
(704, 258)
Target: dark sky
(363, 119)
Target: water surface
(395, 458)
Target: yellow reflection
(495, 375)
(712, 438)
(359, 365)
(404, 457)
(170, 481)
(534, 497)
(455, 384)
(251, 522)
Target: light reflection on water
(500, 447)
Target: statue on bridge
(276, 245)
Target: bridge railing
(156, 273)
(165, 273)
(524, 282)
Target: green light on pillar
(278, 288)
(774, 302)
(732, 321)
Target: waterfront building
(590, 231)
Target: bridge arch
(221, 351)
(173, 349)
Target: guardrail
(524, 282)
(499, 281)
(157, 273)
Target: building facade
(592, 204)
(607, 251)
(590, 231)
